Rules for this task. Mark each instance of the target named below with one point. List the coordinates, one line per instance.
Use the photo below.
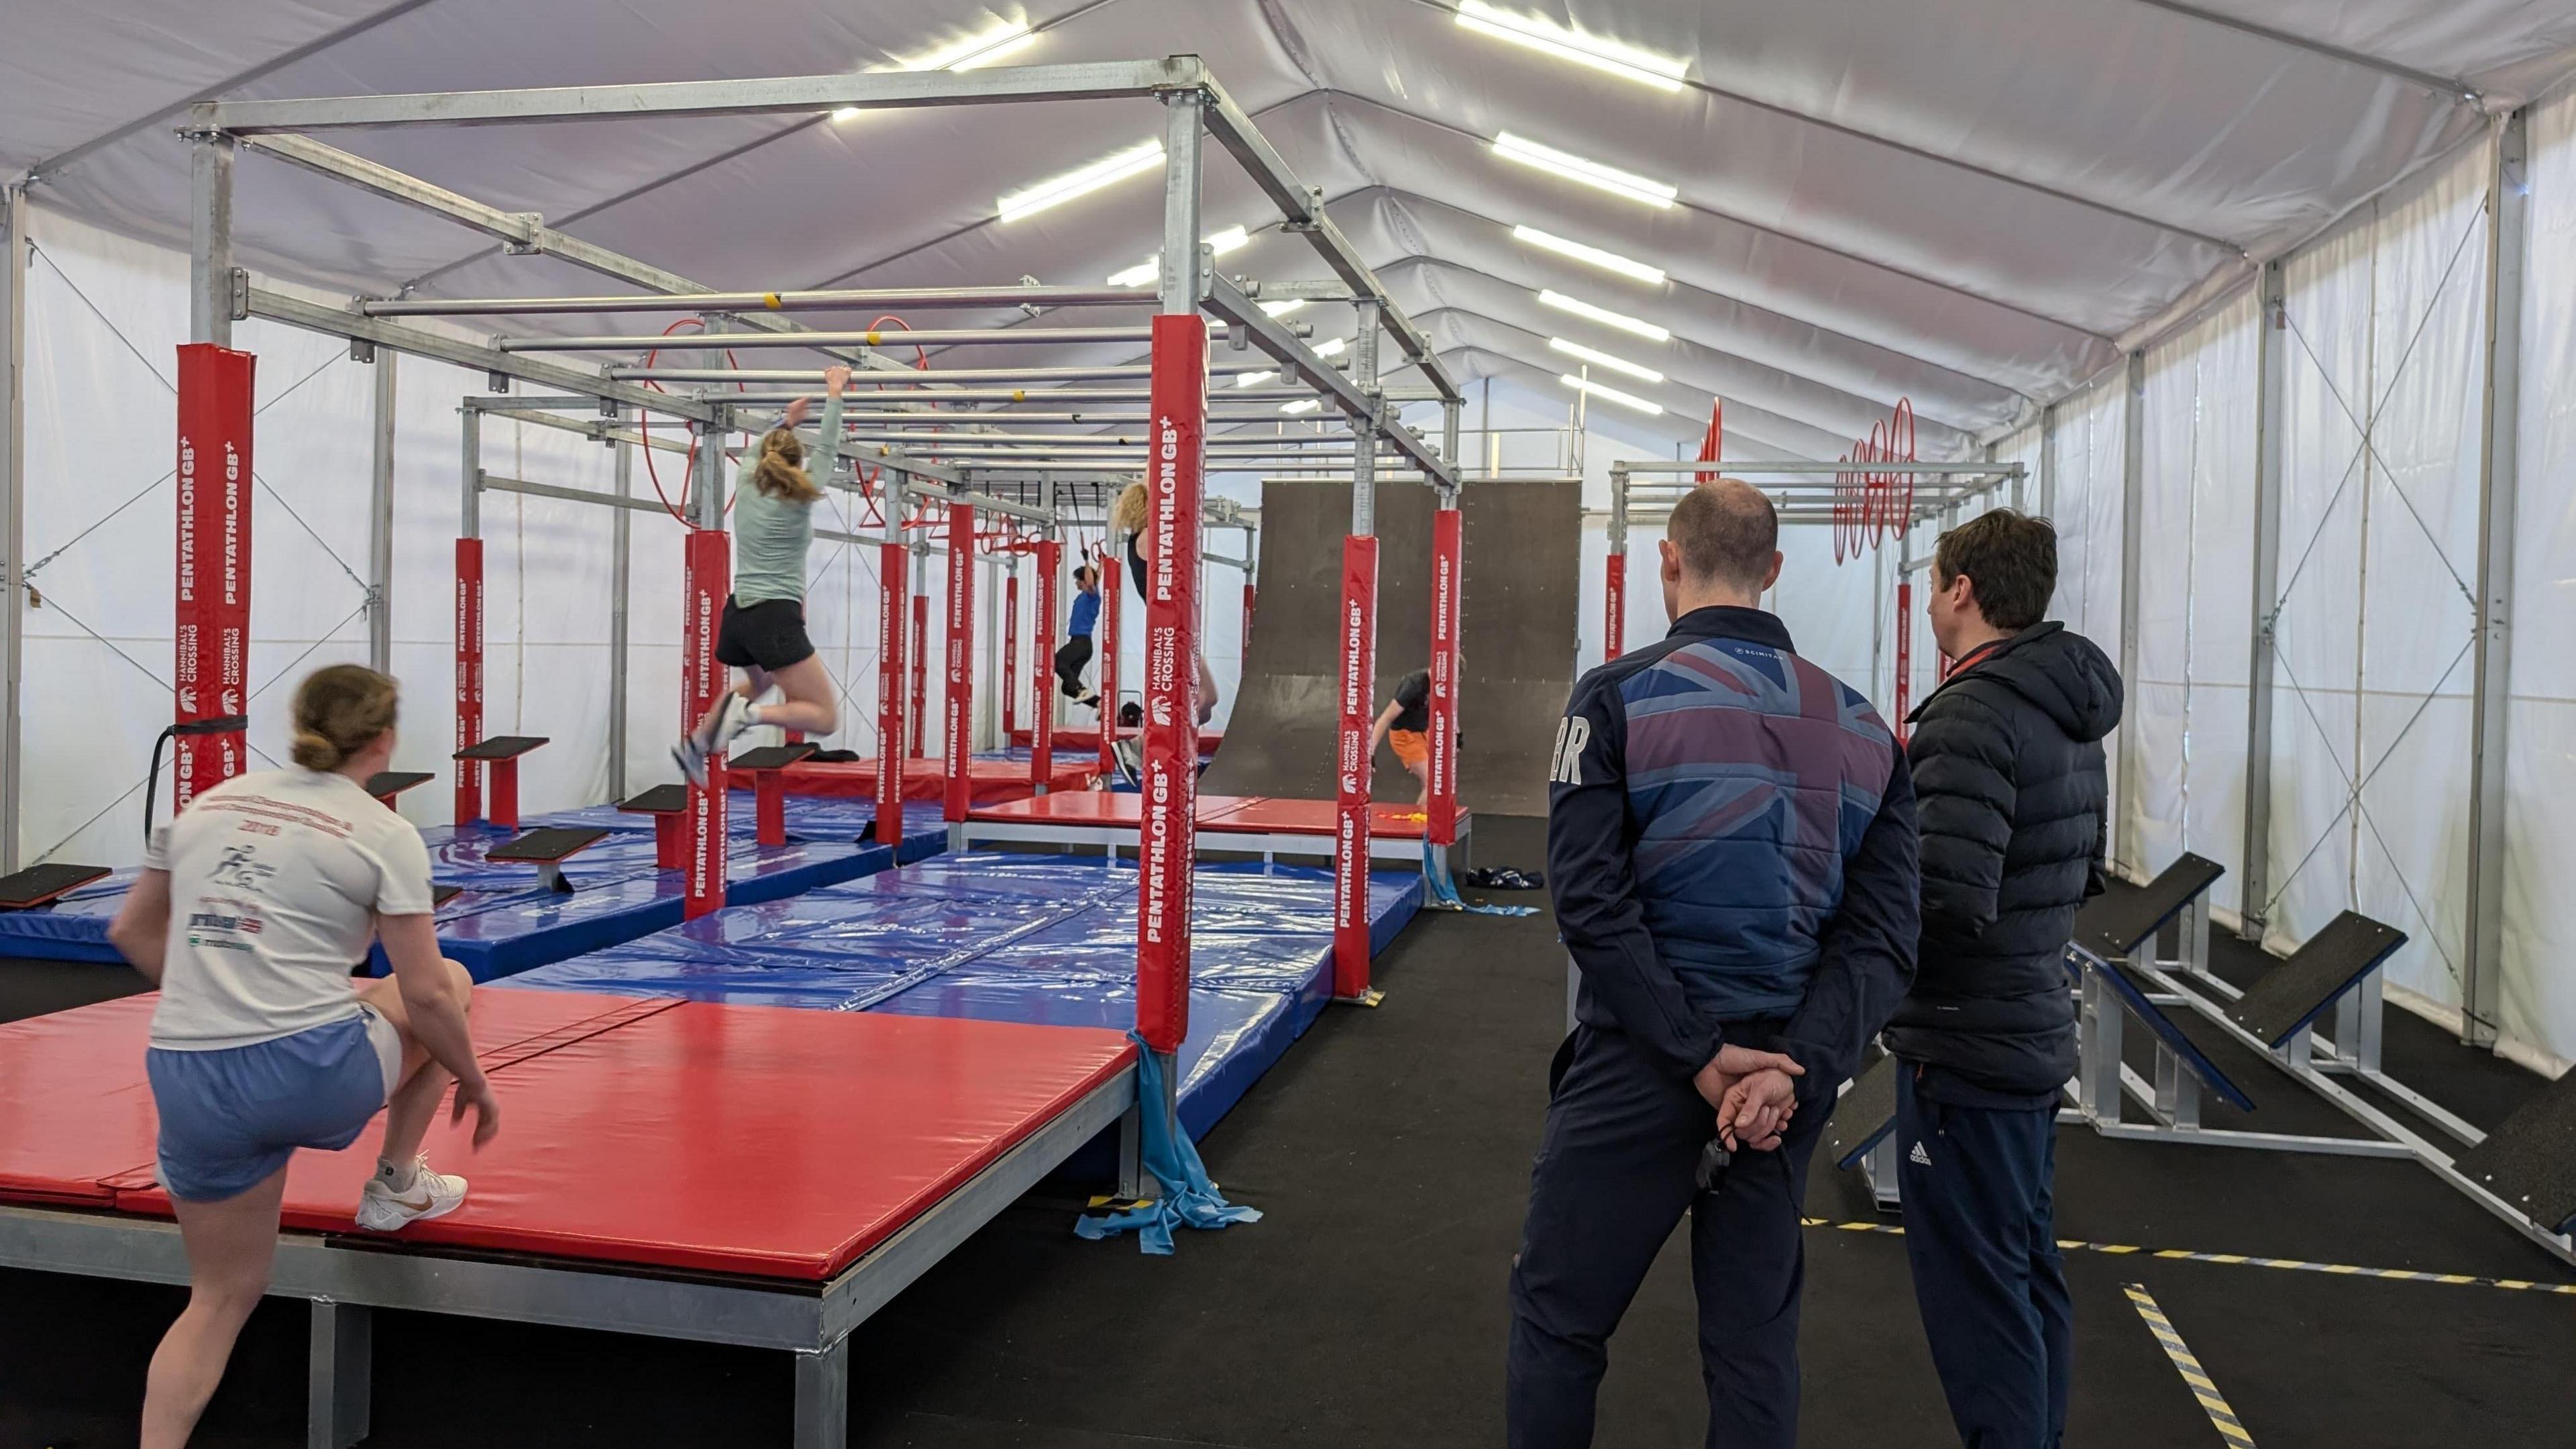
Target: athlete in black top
(1405, 724)
(1128, 517)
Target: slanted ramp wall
(1519, 607)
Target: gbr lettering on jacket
(1572, 733)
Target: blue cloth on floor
(1189, 1199)
(1440, 893)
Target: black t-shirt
(1413, 692)
(1136, 566)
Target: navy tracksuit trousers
(1981, 1233)
(1616, 1169)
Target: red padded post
(469, 677)
(1041, 677)
(1166, 833)
(892, 586)
(1011, 654)
(1904, 652)
(1358, 618)
(1247, 618)
(213, 580)
(1448, 556)
(1113, 585)
(670, 846)
(1614, 595)
(505, 794)
(957, 791)
(702, 678)
(769, 806)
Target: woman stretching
(1128, 517)
(249, 911)
(763, 633)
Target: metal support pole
(621, 563)
(338, 1389)
(1449, 412)
(210, 238)
(14, 261)
(2048, 461)
(2133, 506)
(1364, 434)
(1614, 596)
(380, 521)
(2271, 386)
(2508, 241)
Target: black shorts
(770, 634)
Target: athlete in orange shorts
(1404, 723)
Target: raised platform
(993, 780)
(501, 920)
(782, 1174)
(1022, 938)
(1251, 824)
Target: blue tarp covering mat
(1002, 936)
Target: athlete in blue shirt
(1074, 654)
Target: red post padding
(1448, 549)
(702, 678)
(505, 794)
(959, 743)
(213, 579)
(670, 845)
(1904, 653)
(1113, 585)
(769, 806)
(892, 584)
(1166, 840)
(917, 661)
(1011, 654)
(1247, 619)
(469, 677)
(1041, 677)
(1614, 594)
(1358, 618)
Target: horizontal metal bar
(334, 322)
(750, 97)
(754, 303)
(1293, 291)
(496, 483)
(919, 421)
(1742, 468)
(598, 429)
(925, 377)
(980, 438)
(883, 337)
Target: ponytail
(340, 710)
(780, 473)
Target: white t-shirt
(276, 879)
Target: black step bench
(502, 753)
(42, 885)
(2114, 956)
(386, 784)
(547, 849)
(2530, 1160)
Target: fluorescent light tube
(1605, 316)
(1663, 72)
(1609, 394)
(1591, 173)
(1301, 405)
(1604, 359)
(1281, 309)
(1610, 261)
(1136, 160)
(1332, 348)
(981, 48)
(1253, 379)
(1142, 274)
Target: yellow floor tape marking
(2212, 1402)
(2182, 1255)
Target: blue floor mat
(1020, 937)
(502, 923)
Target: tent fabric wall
(2379, 523)
(2195, 598)
(2090, 466)
(2538, 1004)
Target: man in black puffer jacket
(2012, 799)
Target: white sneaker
(691, 757)
(431, 1195)
(731, 721)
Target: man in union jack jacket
(1732, 853)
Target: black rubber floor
(1390, 1150)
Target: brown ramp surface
(1520, 602)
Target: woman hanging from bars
(763, 633)
(1128, 517)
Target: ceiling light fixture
(982, 48)
(1591, 173)
(1254, 379)
(1610, 394)
(1136, 160)
(1609, 261)
(1603, 359)
(1301, 405)
(1663, 72)
(1282, 309)
(1333, 348)
(1605, 316)
(1143, 273)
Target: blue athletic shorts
(231, 1117)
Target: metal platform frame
(1270, 845)
(346, 1277)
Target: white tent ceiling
(1973, 203)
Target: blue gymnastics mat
(1001, 936)
(503, 923)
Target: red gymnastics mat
(990, 781)
(1252, 814)
(733, 1139)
